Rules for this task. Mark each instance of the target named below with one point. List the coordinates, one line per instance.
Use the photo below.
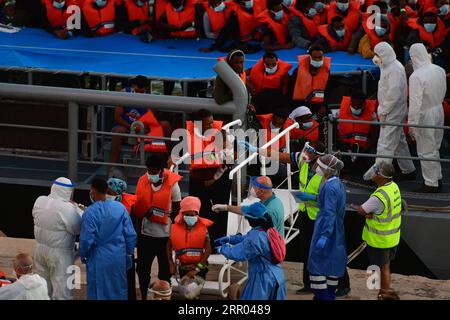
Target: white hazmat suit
(57, 221)
(392, 99)
(27, 287)
(427, 87)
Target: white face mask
(58, 5)
(443, 10)
(319, 171)
(190, 220)
(380, 31)
(288, 3)
(271, 70)
(342, 6)
(315, 64)
(274, 129)
(180, 8)
(249, 4)
(307, 125)
(220, 7)
(278, 15)
(356, 112)
(429, 27)
(100, 3)
(319, 6)
(153, 178)
(340, 33)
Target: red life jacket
(247, 22)
(101, 21)
(159, 8)
(146, 198)
(203, 152)
(351, 18)
(334, 44)
(261, 80)
(128, 200)
(265, 120)
(355, 133)
(278, 28)
(217, 19)
(57, 17)
(189, 245)
(179, 18)
(311, 134)
(374, 38)
(151, 145)
(259, 6)
(308, 87)
(433, 39)
(137, 13)
(310, 24)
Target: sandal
(388, 295)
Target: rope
(357, 252)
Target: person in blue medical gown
(107, 241)
(265, 278)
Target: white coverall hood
(419, 56)
(35, 286)
(386, 53)
(62, 189)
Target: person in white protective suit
(57, 221)
(427, 87)
(29, 286)
(392, 99)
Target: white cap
(300, 111)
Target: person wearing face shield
(303, 23)
(189, 238)
(427, 89)
(265, 276)
(57, 222)
(381, 232)
(107, 242)
(374, 35)
(99, 17)
(347, 9)
(54, 17)
(334, 36)
(427, 28)
(392, 93)
(158, 197)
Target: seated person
(137, 19)
(321, 7)
(271, 73)
(273, 26)
(372, 37)
(179, 20)
(248, 38)
(303, 24)
(99, 17)
(273, 124)
(427, 28)
(309, 83)
(309, 127)
(335, 36)
(443, 10)
(288, 6)
(55, 17)
(347, 9)
(8, 12)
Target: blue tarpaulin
(128, 55)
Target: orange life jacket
(159, 7)
(351, 18)
(265, 120)
(334, 44)
(259, 6)
(203, 152)
(374, 38)
(308, 87)
(146, 198)
(189, 245)
(433, 39)
(137, 13)
(278, 28)
(217, 19)
(311, 134)
(57, 17)
(261, 80)
(355, 133)
(247, 22)
(151, 145)
(321, 17)
(310, 24)
(101, 21)
(179, 18)
(128, 200)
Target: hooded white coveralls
(56, 223)
(392, 99)
(427, 87)
(27, 287)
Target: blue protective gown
(107, 237)
(331, 260)
(265, 279)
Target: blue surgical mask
(319, 6)
(139, 3)
(312, 12)
(307, 125)
(153, 178)
(248, 4)
(380, 31)
(190, 220)
(220, 7)
(288, 3)
(340, 33)
(59, 5)
(100, 3)
(443, 10)
(356, 112)
(429, 27)
(342, 6)
(316, 64)
(277, 15)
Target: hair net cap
(190, 204)
(117, 185)
(299, 112)
(255, 210)
(331, 162)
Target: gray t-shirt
(373, 205)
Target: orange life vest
(308, 87)
(203, 152)
(261, 80)
(351, 18)
(278, 28)
(159, 7)
(57, 17)
(137, 13)
(259, 6)
(433, 39)
(334, 44)
(128, 200)
(179, 18)
(321, 17)
(189, 245)
(146, 198)
(247, 22)
(265, 120)
(310, 24)
(311, 134)
(101, 21)
(355, 133)
(151, 145)
(217, 19)
(374, 38)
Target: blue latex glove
(305, 196)
(221, 241)
(321, 242)
(247, 146)
(219, 249)
(129, 262)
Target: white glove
(382, 117)
(219, 207)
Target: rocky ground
(408, 287)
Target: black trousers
(148, 248)
(218, 193)
(131, 279)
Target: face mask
(248, 4)
(320, 172)
(139, 3)
(307, 125)
(380, 31)
(288, 3)
(443, 10)
(153, 178)
(342, 6)
(190, 220)
(91, 198)
(271, 70)
(274, 129)
(180, 8)
(362, 2)
(413, 2)
(319, 6)
(356, 112)
(389, 9)
(278, 15)
(58, 5)
(110, 197)
(340, 33)
(100, 3)
(220, 7)
(312, 12)
(376, 60)
(429, 27)
(315, 64)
